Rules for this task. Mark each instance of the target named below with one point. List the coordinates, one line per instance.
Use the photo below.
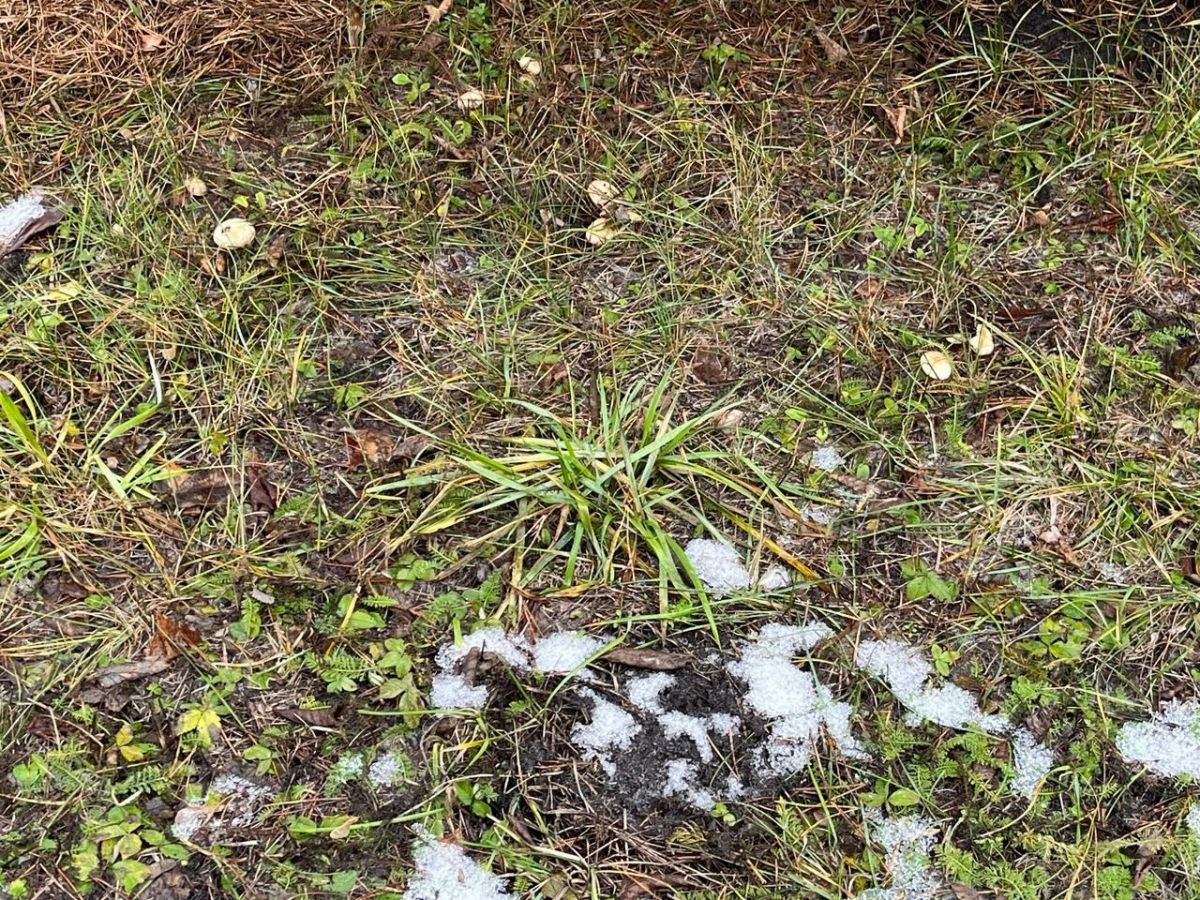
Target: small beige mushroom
(195, 186)
(601, 231)
(530, 65)
(602, 193)
(233, 234)
(982, 342)
(470, 99)
(937, 364)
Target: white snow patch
(796, 704)
(1032, 762)
(906, 671)
(1113, 573)
(775, 578)
(683, 781)
(827, 459)
(492, 639)
(906, 842)
(450, 690)
(566, 651)
(611, 729)
(734, 789)
(644, 691)
(1168, 744)
(718, 565)
(387, 769)
(445, 872)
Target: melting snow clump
(718, 565)
(565, 652)
(644, 693)
(775, 578)
(827, 459)
(1168, 744)
(387, 769)
(450, 690)
(514, 651)
(683, 781)
(818, 515)
(1032, 761)
(231, 801)
(905, 670)
(906, 842)
(348, 767)
(445, 872)
(611, 729)
(796, 704)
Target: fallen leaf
(963, 892)
(897, 118)
(470, 99)
(982, 343)
(111, 676)
(342, 830)
(197, 491)
(601, 231)
(1181, 360)
(602, 193)
(275, 250)
(834, 52)
(646, 658)
(378, 448)
(261, 493)
(22, 218)
(711, 368)
(869, 289)
(435, 13)
(331, 717)
(530, 66)
(937, 364)
(151, 40)
(169, 635)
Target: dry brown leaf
(111, 676)
(169, 635)
(261, 493)
(327, 717)
(834, 52)
(897, 118)
(151, 40)
(435, 13)
(711, 368)
(275, 250)
(378, 448)
(646, 658)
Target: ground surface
(249, 495)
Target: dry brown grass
(74, 55)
